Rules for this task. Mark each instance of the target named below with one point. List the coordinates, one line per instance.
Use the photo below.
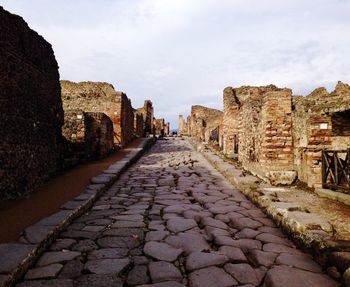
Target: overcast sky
(183, 52)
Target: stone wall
(138, 124)
(167, 129)
(31, 114)
(203, 121)
(159, 127)
(183, 129)
(257, 129)
(89, 135)
(101, 97)
(320, 121)
(147, 112)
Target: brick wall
(138, 124)
(101, 97)
(320, 121)
(31, 114)
(147, 112)
(159, 127)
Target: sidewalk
(16, 258)
(320, 225)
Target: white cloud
(183, 52)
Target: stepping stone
(161, 251)
(243, 273)
(57, 256)
(179, 225)
(198, 260)
(106, 266)
(49, 271)
(209, 277)
(164, 271)
(290, 277)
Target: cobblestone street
(172, 220)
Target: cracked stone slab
(57, 256)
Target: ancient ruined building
(161, 128)
(89, 135)
(320, 121)
(147, 112)
(204, 123)
(280, 137)
(138, 124)
(183, 129)
(101, 97)
(257, 129)
(31, 114)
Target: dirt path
(15, 216)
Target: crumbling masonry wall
(147, 112)
(320, 121)
(203, 121)
(101, 97)
(89, 135)
(31, 114)
(138, 124)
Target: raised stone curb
(17, 258)
(311, 232)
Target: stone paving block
(209, 277)
(47, 283)
(164, 284)
(179, 225)
(129, 224)
(244, 222)
(208, 221)
(198, 260)
(258, 257)
(291, 277)
(55, 219)
(12, 255)
(299, 261)
(119, 242)
(233, 253)
(270, 238)
(71, 270)
(111, 253)
(106, 266)
(49, 271)
(99, 280)
(247, 233)
(61, 244)
(85, 245)
(57, 257)
(164, 271)
(138, 275)
(162, 251)
(36, 234)
(278, 248)
(243, 273)
(156, 235)
(188, 242)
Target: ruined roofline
(194, 107)
(85, 83)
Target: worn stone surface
(178, 229)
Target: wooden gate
(336, 170)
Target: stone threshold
(327, 193)
(16, 258)
(311, 232)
